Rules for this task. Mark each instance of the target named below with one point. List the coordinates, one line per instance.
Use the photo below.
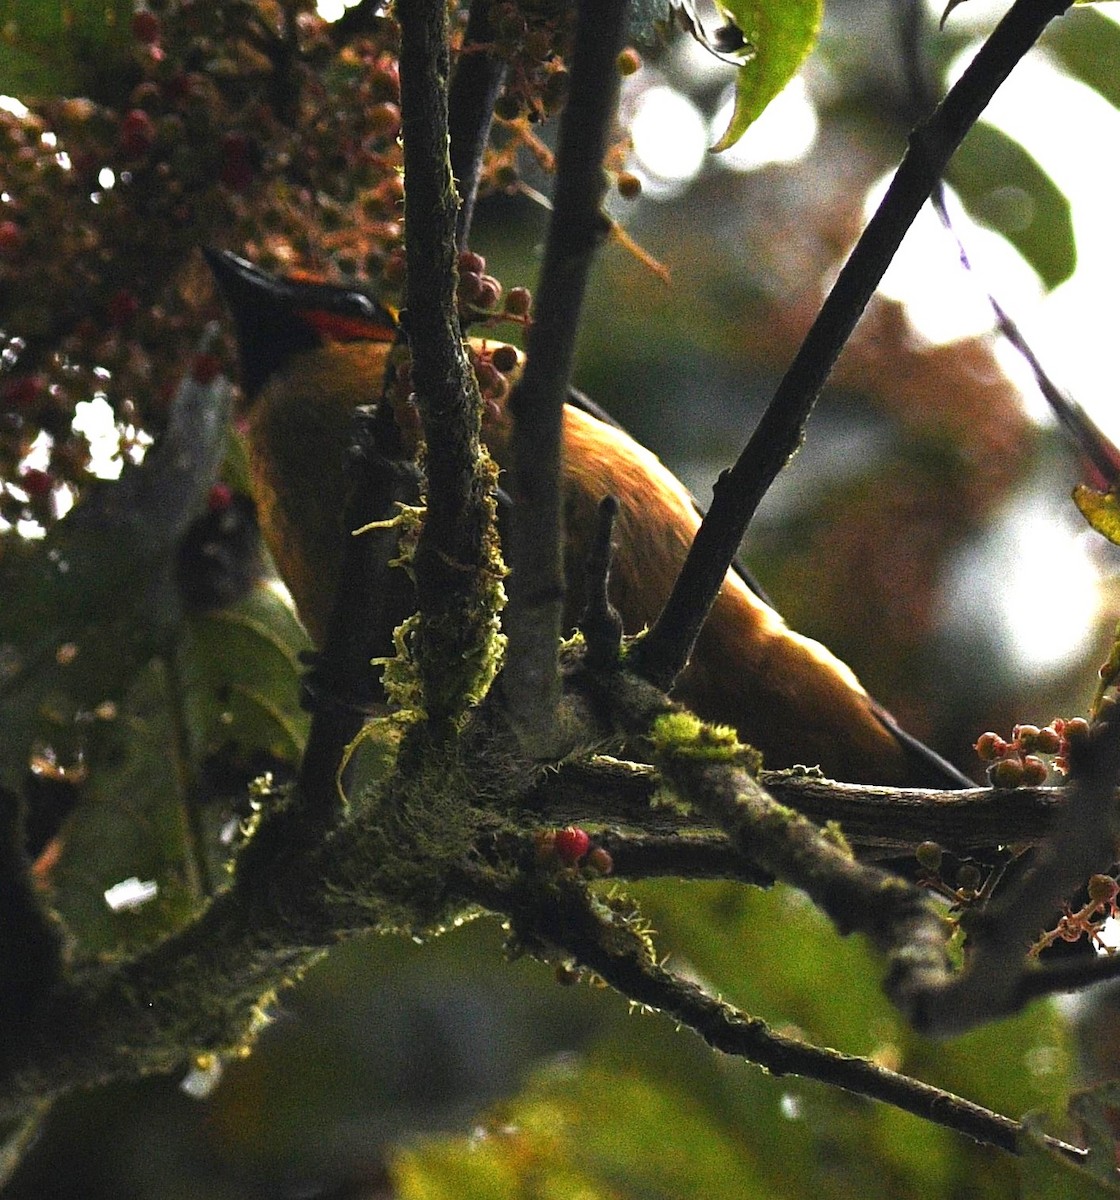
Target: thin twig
(531, 680)
(569, 920)
(663, 653)
(475, 85)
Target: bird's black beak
(277, 318)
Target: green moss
(683, 735)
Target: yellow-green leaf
(782, 33)
(1101, 510)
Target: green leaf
(129, 822)
(241, 673)
(782, 32)
(1003, 187)
(231, 682)
(1087, 44)
(1100, 509)
(58, 47)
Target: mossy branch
(457, 563)
(561, 918)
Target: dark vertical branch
(374, 598)
(663, 653)
(456, 614)
(478, 78)
(31, 950)
(531, 681)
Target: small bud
(1007, 773)
(504, 359)
(929, 856)
(600, 861)
(1035, 771)
(968, 877)
(1103, 890)
(219, 498)
(629, 185)
(990, 746)
(628, 62)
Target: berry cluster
(1018, 762)
(572, 847)
(1088, 920)
(223, 122)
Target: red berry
(146, 27)
(37, 484)
(137, 133)
(489, 292)
(23, 391)
(471, 263)
(205, 368)
(492, 383)
(12, 237)
(1049, 741)
(1035, 771)
(123, 306)
(219, 498)
(572, 844)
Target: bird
(311, 351)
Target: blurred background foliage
(924, 533)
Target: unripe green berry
(929, 856)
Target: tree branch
(475, 85)
(603, 940)
(876, 821)
(457, 566)
(662, 654)
(531, 679)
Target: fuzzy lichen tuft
(683, 735)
